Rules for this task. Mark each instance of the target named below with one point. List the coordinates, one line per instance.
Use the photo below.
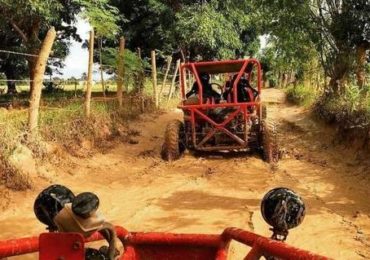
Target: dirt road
(207, 193)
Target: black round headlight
(283, 209)
(49, 202)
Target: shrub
(301, 95)
(350, 111)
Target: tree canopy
(199, 29)
(331, 31)
(330, 38)
(25, 23)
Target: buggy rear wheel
(269, 142)
(174, 141)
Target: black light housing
(50, 202)
(283, 209)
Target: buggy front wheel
(269, 142)
(174, 141)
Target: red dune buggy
(222, 111)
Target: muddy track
(206, 193)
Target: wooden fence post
(140, 75)
(120, 73)
(76, 88)
(89, 75)
(33, 113)
(154, 76)
(173, 80)
(169, 60)
(101, 65)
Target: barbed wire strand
(19, 53)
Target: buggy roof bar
(218, 67)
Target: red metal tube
(19, 246)
(173, 239)
(28, 245)
(206, 106)
(269, 246)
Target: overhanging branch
(19, 31)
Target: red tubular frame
(168, 244)
(22, 246)
(196, 110)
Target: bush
(350, 111)
(301, 95)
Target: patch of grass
(12, 129)
(301, 95)
(351, 107)
(64, 123)
(350, 111)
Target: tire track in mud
(311, 152)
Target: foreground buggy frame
(222, 125)
(155, 246)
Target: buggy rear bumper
(155, 246)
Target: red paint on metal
(160, 252)
(199, 111)
(173, 246)
(161, 245)
(61, 246)
(268, 247)
(19, 246)
(173, 239)
(28, 245)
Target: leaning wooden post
(173, 80)
(101, 65)
(120, 71)
(154, 77)
(33, 113)
(89, 75)
(169, 60)
(140, 75)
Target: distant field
(69, 87)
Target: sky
(77, 61)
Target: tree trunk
(360, 69)
(38, 79)
(339, 72)
(101, 66)
(31, 68)
(120, 72)
(285, 80)
(280, 80)
(89, 75)
(140, 75)
(264, 80)
(154, 77)
(10, 75)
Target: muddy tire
(174, 141)
(269, 142)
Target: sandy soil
(206, 193)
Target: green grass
(302, 95)
(350, 109)
(66, 122)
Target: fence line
(19, 53)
